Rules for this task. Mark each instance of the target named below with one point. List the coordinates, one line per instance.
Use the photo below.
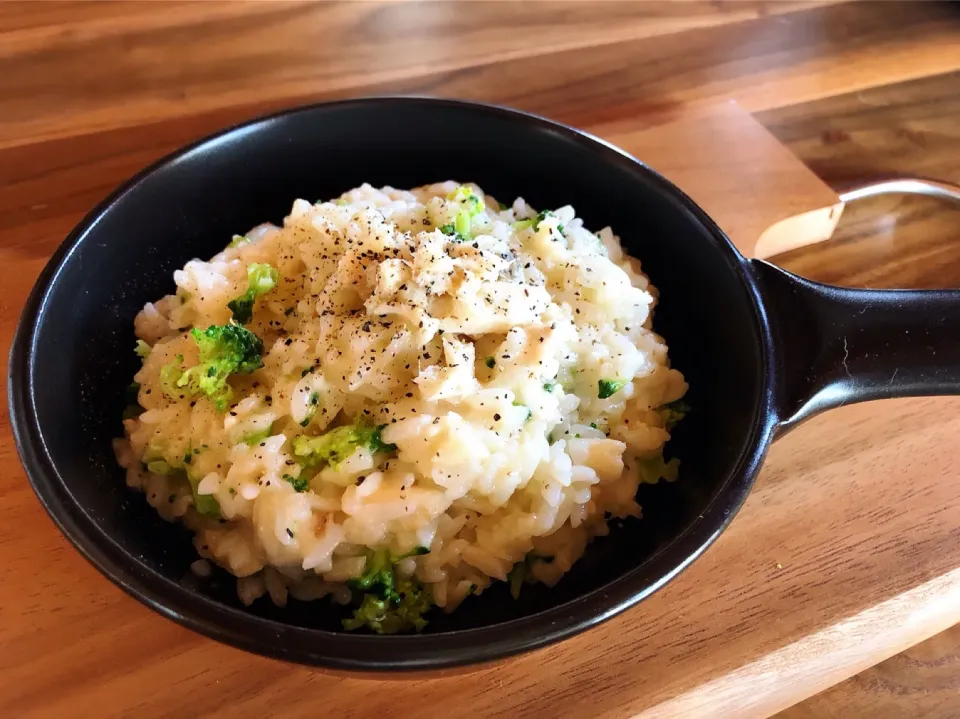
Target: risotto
(399, 398)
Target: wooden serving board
(846, 552)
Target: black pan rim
(357, 652)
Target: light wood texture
(317, 48)
(765, 186)
(621, 60)
(845, 553)
(908, 128)
(923, 681)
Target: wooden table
(859, 510)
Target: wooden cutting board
(845, 553)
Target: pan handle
(904, 186)
(836, 345)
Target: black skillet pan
(762, 351)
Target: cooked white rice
(480, 356)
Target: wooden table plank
(831, 547)
(901, 127)
(275, 59)
(850, 541)
(282, 50)
(907, 128)
(923, 681)
(885, 242)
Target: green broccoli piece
(415, 552)
(461, 223)
(377, 575)
(653, 469)
(609, 387)
(384, 616)
(255, 438)
(516, 577)
(260, 280)
(522, 573)
(142, 349)
(224, 350)
(673, 412)
(299, 484)
(314, 404)
(470, 207)
(169, 374)
(390, 604)
(451, 231)
(529, 411)
(205, 504)
(161, 466)
(521, 225)
(541, 217)
(338, 444)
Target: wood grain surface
(846, 552)
(923, 681)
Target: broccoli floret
(338, 444)
(205, 504)
(154, 462)
(224, 350)
(522, 573)
(377, 575)
(470, 207)
(609, 387)
(521, 224)
(299, 484)
(390, 604)
(541, 217)
(257, 437)
(260, 280)
(142, 349)
(673, 413)
(653, 469)
(386, 617)
(451, 231)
